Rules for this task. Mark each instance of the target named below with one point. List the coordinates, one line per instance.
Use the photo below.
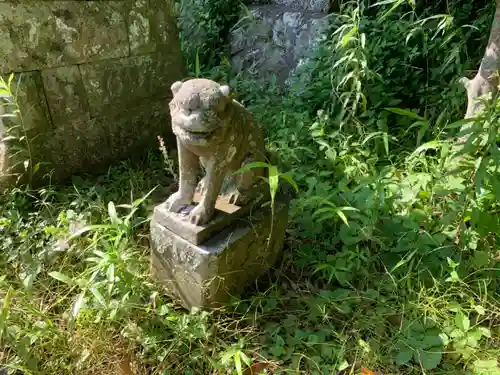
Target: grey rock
(274, 39)
(310, 5)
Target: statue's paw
(200, 215)
(176, 202)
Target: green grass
(391, 261)
(90, 306)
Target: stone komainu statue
(216, 131)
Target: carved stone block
(207, 274)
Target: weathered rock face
(277, 36)
(94, 77)
(311, 5)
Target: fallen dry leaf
(257, 368)
(365, 371)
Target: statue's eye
(189, 111)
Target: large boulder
(271, 39)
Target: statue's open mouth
(200, 134)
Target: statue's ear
(225, 90)
(224, 98)
(176, 86)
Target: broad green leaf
(98, 296)
(480, 309)
(237, 362)
(321, 211)
(129, 206)
(462, 321)
(386, 143)
(28, 282)
(8, 138)
(342, 216)
(404, 356)
(481, 259)
(228, 354)
(488, 364)
(6, 305)
(321, 267)
(431, 358)
(485, 331)
(139, 201)
(112, 213)
(432, 341)
(330, 215)
(11, 77)
(432, 145)
(36, 167)
(61, 277)
(403, 261)
(459, 123)
(343, 365)
(111, 273)
(5, 311)
(78, 304)
(383, 2)
(88, 229)
(245, 358)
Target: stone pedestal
(204, 265)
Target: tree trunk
(486, 80)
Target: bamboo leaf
(405, 112)
(257, 164)
(290, 180)
(61, 277)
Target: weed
(169, 163)
(15, 136)
(391, 262)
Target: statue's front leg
(189, 165)
(204, 211)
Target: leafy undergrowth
(392, 259)
(396, 292)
